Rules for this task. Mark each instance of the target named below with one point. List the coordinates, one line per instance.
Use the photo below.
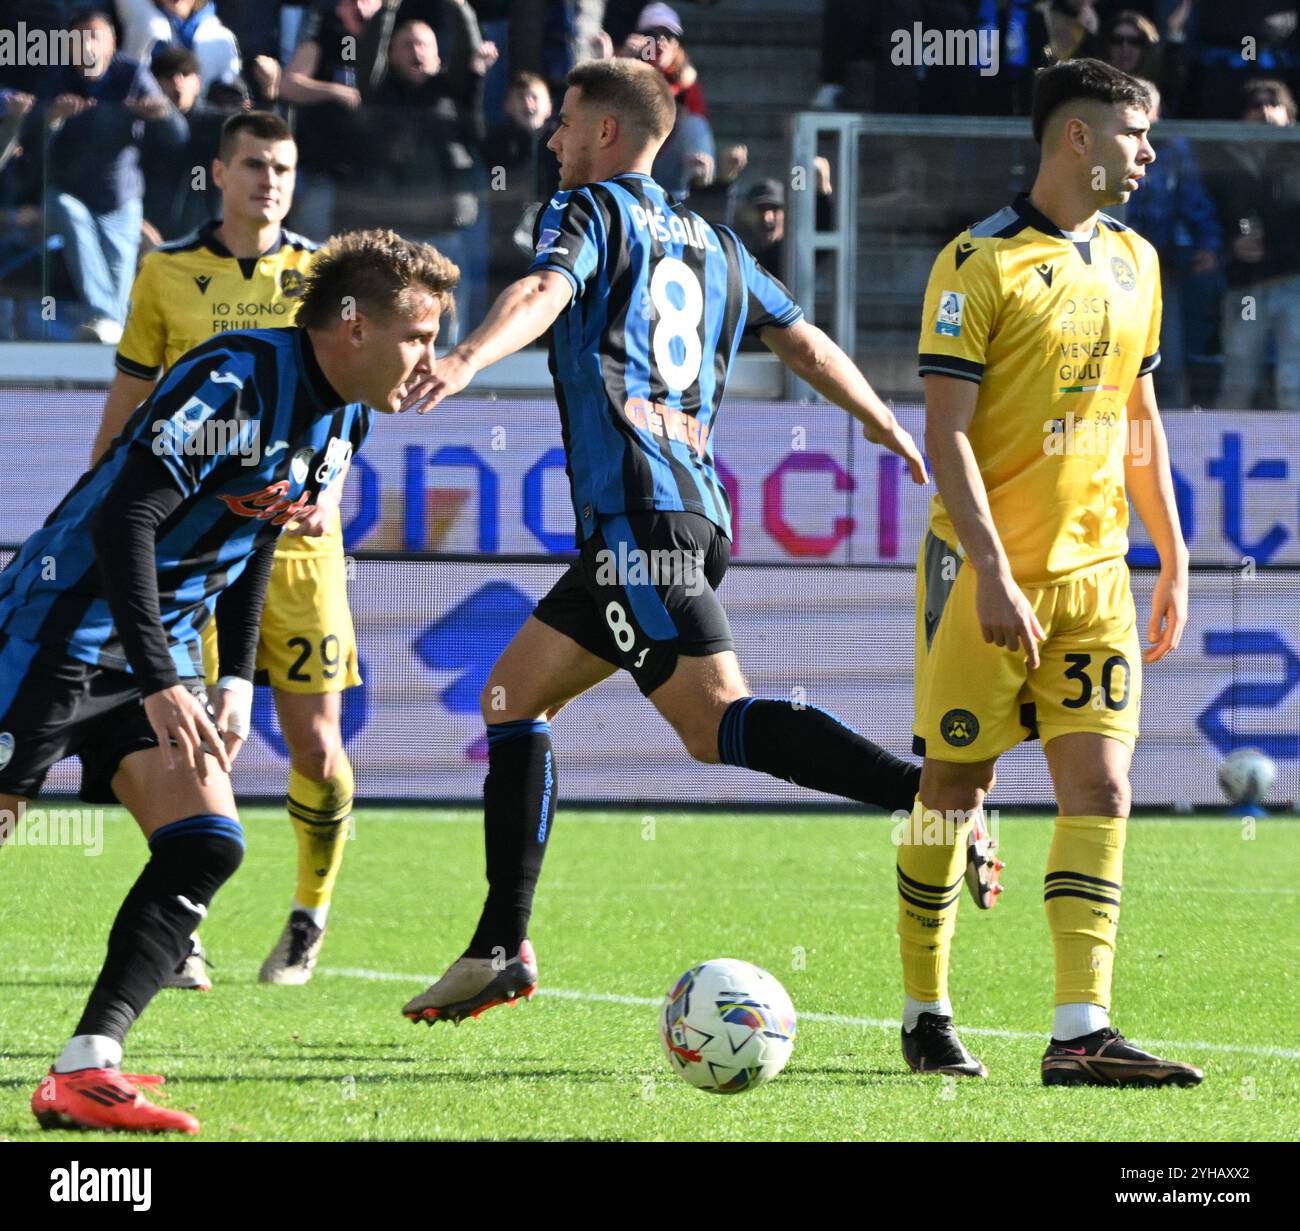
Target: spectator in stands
(760, 223)
(323, 81)
(422, 172)
(97, 112)
(522, 172)
(179, 194)
(1130, 41)
(760, 219)
(687, 159)
(1257, 188)
(192, 24)
(1174, 212)
(661, 30)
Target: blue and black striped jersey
(641, 356)
(251, 433)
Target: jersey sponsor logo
(963, 252)
(291, 283)
(1124, 274)
(202, 281)
(959, 728)
(664, 421)
(951, 306)
(270, 504)
(6, 748)
(1044, 271)
(669, 228)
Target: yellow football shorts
(974, 700)
(307, 643)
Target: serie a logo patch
(951, 306)
(959, 727)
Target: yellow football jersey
(1054, 328)
(192, 289)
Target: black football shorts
(53, 706)
(643, 592)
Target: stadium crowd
(432, 117)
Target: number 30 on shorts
(1079, 670)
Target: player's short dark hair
(168, 60)
(264, 125)
(635, 92)
(378, 271)
(1072, 80)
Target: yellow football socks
(1081, 891)
(931, 868)
(320, 813)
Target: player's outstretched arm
(522, 313)
(1005, 616)
(124, 395)
(1150, 486)
(813, 357)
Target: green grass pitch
(1209, 949)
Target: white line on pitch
(835, 1019)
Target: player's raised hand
(450, 375)
(179, 718)
(1168, 616)
(1005, 616)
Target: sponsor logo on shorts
(959, 728)
(6, 748)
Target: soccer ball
(1246, 775)
(727, 1026)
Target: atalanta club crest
(6, 748)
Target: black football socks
(518, 814)
(189, 861)
(811, 748)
